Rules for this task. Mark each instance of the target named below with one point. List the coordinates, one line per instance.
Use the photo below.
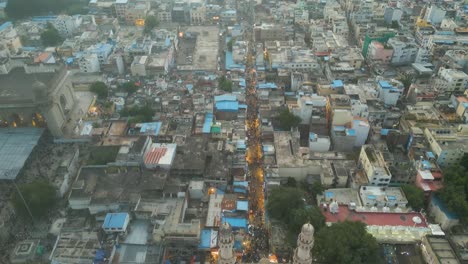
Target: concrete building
(265, 32)
(448, 144)
(451, 81)
(343, 138)
(10, 42)
(307, 105)
(318, 143)
(379, 53)
(434, 14)
(390, 197)
(116, 223)
(437, 250)
(160, 156)
(388, 92)
(136, 11)
(89, 63)
(404, 50)
(67, 25)
(226, 244)
(392, 14)
(305, 243)
(138, 66)
(120, 7)
(372, 162)
(41, 99)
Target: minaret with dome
(305, 243)
(226, 244)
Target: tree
(283, 201)
(230, 44)
(455, 191)
(150, 23)
(414, 195)
(291, 182)
(395, 25)
(17, 9)
(51, 36)
(299, 217)
(317, 188)
(40, 196)
(406, 80)
(129, 87)
(138, 114)
(100, 89)
(287, 120)
(346, 243)
(225, 84)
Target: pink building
(379, 52)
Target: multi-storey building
(372, 162)
(450, 82)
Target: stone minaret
(305, 242)
(226, 243)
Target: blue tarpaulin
(115, 220)
(235, 223)
(337, 84)
(227, 106)
(207, 124)
(242, 206)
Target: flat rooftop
(374, 218)
(16, 144)
(17, 86)
(205, 54)
(100, 187)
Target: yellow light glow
(140, 22)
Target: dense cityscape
(233, 131)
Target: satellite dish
(417, 220)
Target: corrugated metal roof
(115, 220)
(227, 106)
(16, 144)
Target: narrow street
(259, 246)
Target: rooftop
(374, 218)
(16, 144)
(115, 220)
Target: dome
(307, 228)
(225, 230)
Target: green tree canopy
(291, 182)
(346, 243)
(300, 216)
(150, 23)
(40, 196)
(51, 36)
(138, 114)
(455, 191)
(282, 201)
(129, 87)
(24, 8)
(415, 196)
(287, 120)
(230, 44)
(225, 84)
(100, 89)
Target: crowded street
(259, 246)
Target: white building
(160, 156)
(89, 63)
(362, 128)
(404, 50)
(388, 93)
(374, 166)
(307, 104)
(451, 81)
(138, 67)
(226, 244)
(319, 143)
(67, 25)
(359, 109)
(448, 144)
(434, 14)
(392, 14)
